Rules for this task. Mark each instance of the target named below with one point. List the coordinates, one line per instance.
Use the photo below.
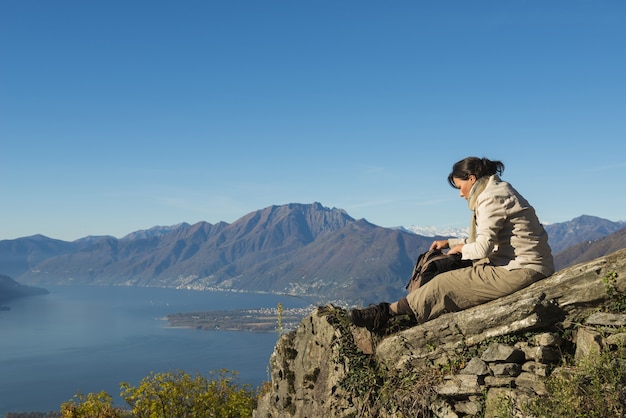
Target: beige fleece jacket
(508, 231)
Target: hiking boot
(373, 318)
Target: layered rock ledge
(456, 365)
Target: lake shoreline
(248, 320)
(90, 338)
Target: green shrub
(595, 387)
(170, 394)
(178, 394)
(92, 405)
(617, 299)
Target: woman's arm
(490, 216)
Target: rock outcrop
(457, 365)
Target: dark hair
(478, 167)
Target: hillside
(583, 228)
(591, 249)
(10, 289)
(20, 255)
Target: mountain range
(301, 249)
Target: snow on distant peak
(155, 231)
(431, 231)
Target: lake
(88, 339)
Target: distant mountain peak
(155, 231)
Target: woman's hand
(457, 249)
(439, 245)
(443, 244)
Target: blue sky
(117, 116)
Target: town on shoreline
(256, 320)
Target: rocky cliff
(490, 360)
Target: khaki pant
(460, 289)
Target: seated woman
(507, 244)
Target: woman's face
(465, 186)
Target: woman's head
(474, 168)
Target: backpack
(432, 263)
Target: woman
(507, 244)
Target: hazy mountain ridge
(301, 249)
(590, 250)
(583, 228)
(22, 254)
